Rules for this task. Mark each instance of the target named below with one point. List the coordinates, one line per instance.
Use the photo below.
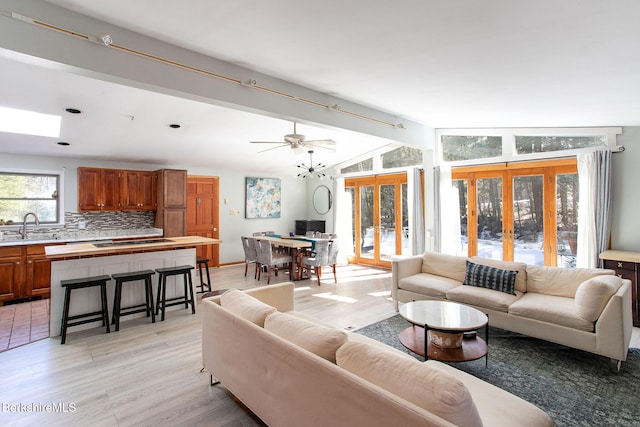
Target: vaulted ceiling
(495, 63)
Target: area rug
(574, 387)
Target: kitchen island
(98, 258)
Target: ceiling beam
(142, 62)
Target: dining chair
(250, 254)
(270, 259)
(326, 254)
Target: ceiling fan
(297, 142)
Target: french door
(520, 211)
(379, 218)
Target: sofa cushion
(520, 267)
(484, 276)
(481, 297)
(559, 281)
(317, 339)
(420, 384)
(593, 294)
(246, 306)
(444, 265)
(551, 309)
(428, 284)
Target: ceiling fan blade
(268, 142)
(321, 142)
(324, 147)
(273, 148)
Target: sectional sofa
(587, 309)
(292, 371)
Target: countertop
(621, 256)
(88, 249)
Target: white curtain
(416, 216)
(594, 206)
(447, 236)
(342, 226)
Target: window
(401, 157)
(460, 147)
(365, 165)
(541, 144)
(24, 192)
(467, 147)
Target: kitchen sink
(129, 242)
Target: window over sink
(23, 192)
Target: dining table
(294, 246)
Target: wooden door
(203, 214)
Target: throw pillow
(484, 276)
(320, 340)
(246, 306)
(427, 387)
(594, 294)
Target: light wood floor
(149, 374)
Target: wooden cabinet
(98, 189)
(11, 272)
(116, 190)
(171, 213)
(139, 190)
(627, 266)
(25, 272)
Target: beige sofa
(292, 371)
(587, 309)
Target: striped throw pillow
(484, 276)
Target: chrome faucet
(23, 233)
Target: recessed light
(63, 143)
(174, 126)
(73, 110)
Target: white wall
(232, 187)
(625, 229)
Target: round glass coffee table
(450, 328)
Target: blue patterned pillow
(484, 276)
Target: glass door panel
(367, 230)
(528, 219)
(489, 217)
(566, 219)
(388, 230)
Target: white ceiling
(468, 63)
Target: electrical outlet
(82, 225)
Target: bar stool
(200, 262)
(162, 302)
(86, 282)
(147, 307)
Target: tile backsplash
(95, 225)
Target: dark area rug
(574, 387)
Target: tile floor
(23, 323)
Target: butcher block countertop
(81, 250)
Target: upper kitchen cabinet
(172, 202)
(139, 190)
(99, 189)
